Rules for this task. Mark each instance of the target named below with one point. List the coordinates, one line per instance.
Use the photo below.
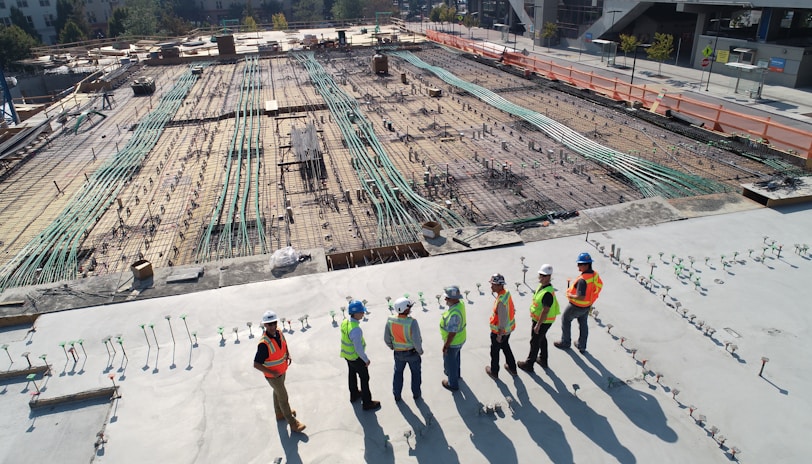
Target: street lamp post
(634, 62)
(718, 22)
(609, 33)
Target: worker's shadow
(547, 433)
(640, 408)
(427, 442)
(377, 448)
(485, 434)
(585, 419)
(290, 442)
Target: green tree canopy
(470, 22)
(347, 9)
(143, 19)
(71, 33)
(15, 45)
(172, 25)
(370, 7)
(115, 27)
(548, 31)
(280, 23)
(250, 24)
(18, 19)
(628, 43)
(309, 10)
(71, 10)
(661, 49)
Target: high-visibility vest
(277, 360)
(347, 347)
(401, 330)
(594, 285)
(505, 299)
(536, 308)
(458, 309)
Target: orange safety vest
(401, 330)
(277, 360)
(594, 285)
(505, 299)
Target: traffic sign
(707, 51)
(705, 62)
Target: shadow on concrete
(290, 442)
(590, 423)
(427, 442)
(377, 447)
(494, 445)
(547, 433)
(640, 408)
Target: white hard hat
(402, 305)
(269, 317)
(546, 269)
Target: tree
(71, 33)
(143, 19)
(370, 7)
(280, 23)
(71, 10)
(15, 45)
(628, 43)
(115, 27)
(548, 31)
(309, 10)
(18, 19)
(470, 22)
(661, 49)
(250, 24)
(347, 9)
(448, 14)
(172, 25)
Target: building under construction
(316, 149)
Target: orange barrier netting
(714, 116)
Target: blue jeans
(402, 358)
(570, 313)
(451, 364)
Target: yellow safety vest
(347, 347)
(458, 309)
(536, 308)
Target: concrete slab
(187, 403)
(476, 238)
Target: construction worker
(402, 335)
(542, 312)
(352, 349)
(273, 359)
(452, 330)
(582, 294)
(503, 322)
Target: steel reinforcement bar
(650, 178)
(398, 208)
(53, 254)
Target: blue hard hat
(355, 307)
(584, 258)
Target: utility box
(142, 269)
(431, 229)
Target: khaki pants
(280, 398)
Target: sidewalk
(792, 106)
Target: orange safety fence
(715, 117)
